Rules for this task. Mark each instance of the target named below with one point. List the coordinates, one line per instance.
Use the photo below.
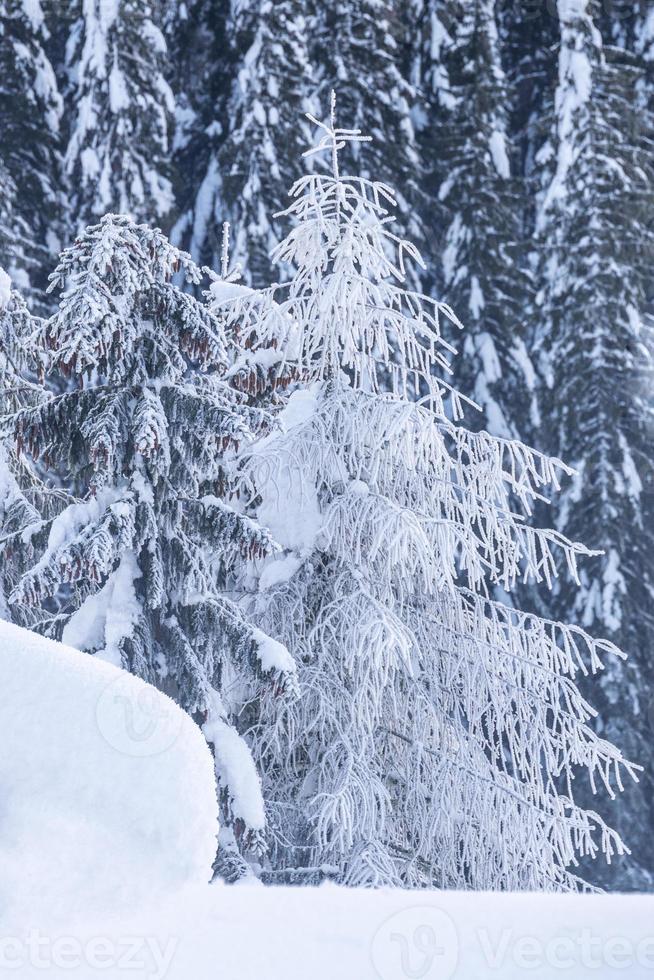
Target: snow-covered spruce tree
(14, 235)
(142, 563)
(260, 371)
(22, 497)
(596, 239)
(18, 358)
(30, 110)
(16, 515)
(362, 51)
(478, 223)
(528, 34)
(437, 732)
(200, 70)
(121, 113)
(273, 84)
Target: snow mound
(106, 786)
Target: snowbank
(332, 933)
(106, 786)
(221, 932)
(107, 833)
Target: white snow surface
(250, 932)
(106, 785)
(107, 832)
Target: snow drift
(107, 832)
(222, 932)
(107, 787)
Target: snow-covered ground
(220, 932)
(107, 832)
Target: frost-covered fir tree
(142, 563)
(279, 58)
(437, 732)
(30, 111)
(14, 234)
(596, 239)
(478, 223)
(200, 70)
(17, 357)
(117, 158)
(362, 51)
(22, 497)
(274, 83)
(528, 35)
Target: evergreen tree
(273, 85)
(117, 157)
(479, 221)
(30, 110)
(201, 68)
(142, 564)
(22, 496)
(17, 361)
(433, 724)
(14, 236)
(528, 36)
(363, 53)
(596, 349)
(282, 57)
